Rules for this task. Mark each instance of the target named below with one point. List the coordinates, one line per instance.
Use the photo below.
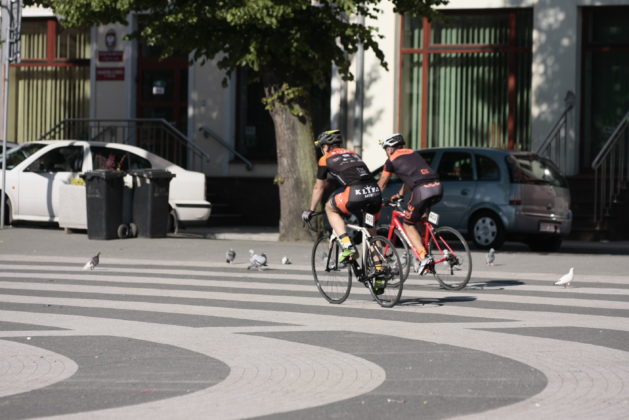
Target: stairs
(615, 226)
(243, 201)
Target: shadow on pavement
(435, 301)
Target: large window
(52, 81)
(466, 79)
(605, 76)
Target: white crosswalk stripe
(285, 297)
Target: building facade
(490, 73)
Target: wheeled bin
(150, 201)
(103, 189)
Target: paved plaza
(166, 329)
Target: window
(456, 166)
(487, 169)
(117, 159)
(466, 79)
(428, 157)
(52, 81)
(61, 159)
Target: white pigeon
(230, 256)
(285, 260)
(490, 257)
(92, 263)
(566, 279)
(257, 261)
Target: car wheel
(487, 230)
(173, 222)
(7, 211)
(544, 243)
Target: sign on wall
(109, 73)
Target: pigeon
(490, 257)
(285, 260)
(566, 279)
(92, 263)
(256, 261)
(230, 256)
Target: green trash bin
(103, 189)
(150, 201)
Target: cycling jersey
(410, 167)
(345, 166)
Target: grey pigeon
(490, 257)
(230, 256)
(92, 263)
(566, 279)
(256, 261)
(285, 260)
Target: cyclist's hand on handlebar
(395, 197)
(306, 215)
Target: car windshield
(19, 154)
(533, 169)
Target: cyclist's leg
(412, 216)
(335, 208)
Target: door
(605, 76)
(38, 197)
(456, 172)
(162, 93)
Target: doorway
(605, 77)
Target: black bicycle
(378, 266)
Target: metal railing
(156, 135)
(207, 133)
(555, 145)
(611, 170)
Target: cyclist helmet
(392, 141)
(329, 137)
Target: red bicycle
(451, 257)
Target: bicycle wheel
(452, 259)
(333, 280)
(404, 252)
(381, 249)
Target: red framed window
(52, 82)
(465, 79)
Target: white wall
(555, 71)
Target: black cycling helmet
(392, 141)
(329, 137)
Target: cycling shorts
(423, 196)
(358, 198)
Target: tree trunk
(296, 164)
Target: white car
(35, 172)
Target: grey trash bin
(103, 189)
(150, 201)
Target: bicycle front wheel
(334, 280)
(385, 287)
(404, 252)
(451, 257)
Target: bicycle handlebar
(316, 213)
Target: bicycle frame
(359, 271)
(396, 215)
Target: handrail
(156, 134)
(611, 170)
(209, 133)
(555, 145)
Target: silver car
(493, 195)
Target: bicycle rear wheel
(452, 258)
(381, 249)
(333, 280)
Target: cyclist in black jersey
(419, 178)
(361, 192)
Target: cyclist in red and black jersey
(419, 178)
(361, 192)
